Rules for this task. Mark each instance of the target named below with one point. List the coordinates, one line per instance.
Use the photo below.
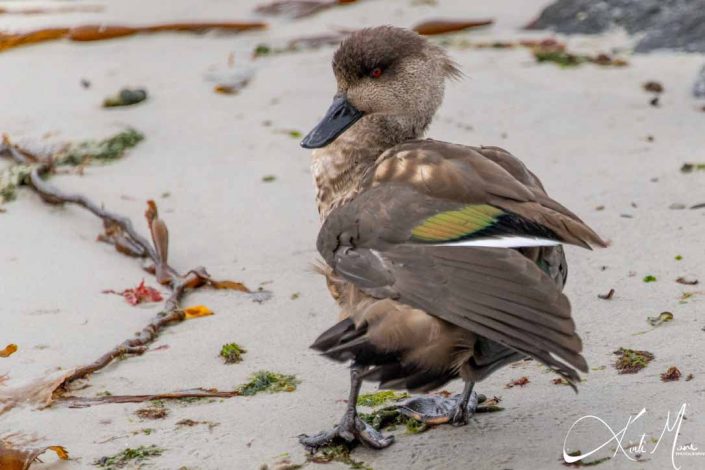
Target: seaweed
(390, 418)
(567, 59)
(105, 150)
(232, 353)
(631, 361)
(689, 167)
(337, 453)
(661, 319)
(156, 410)
(127, 456)
(380, 398)
(562, 58)
(269, 382)
(11, 178)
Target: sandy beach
(588, 132)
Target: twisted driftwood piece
(121, 233)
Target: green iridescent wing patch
(458, 224)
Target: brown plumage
(445, 259)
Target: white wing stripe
(504, 242)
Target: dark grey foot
(440, 410)
(350, 430)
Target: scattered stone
(699, 85)
(126, 97)
(653, 87)
(676, 24)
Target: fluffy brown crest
(385, 47)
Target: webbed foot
(440, 410)
(351, 429)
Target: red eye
(376, 72)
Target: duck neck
(340, 168)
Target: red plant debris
(520, 382)
(139, 294)
(672, 374)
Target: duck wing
(432, 232)
(480, 175)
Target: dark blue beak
(338, 118)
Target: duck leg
(455, 410)
(351, 428)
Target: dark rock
(665, 24)
(699, 85)
(682, 29)
(126, 97)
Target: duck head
(389, 77)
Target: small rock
(653, 86)
(673, 24)
(126, 97)
(699, 85)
